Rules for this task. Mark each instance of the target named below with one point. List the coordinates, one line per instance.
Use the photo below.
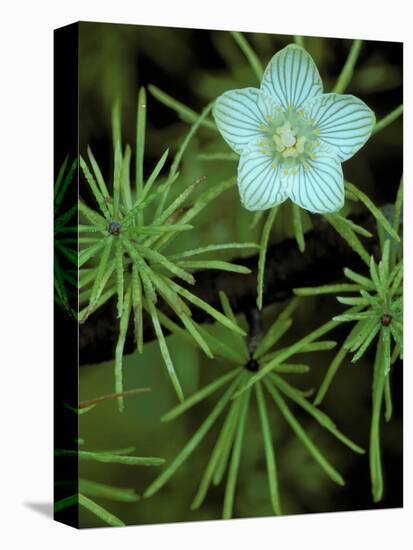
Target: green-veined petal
(240, 114)
(344, 122)
(316, 185)
(292, 78)
(259, 181)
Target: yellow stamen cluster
(286, 141)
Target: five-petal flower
(292, 137)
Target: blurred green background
(194, 66)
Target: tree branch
(325, 256)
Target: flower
(291, 136)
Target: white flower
(292, 137)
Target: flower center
(286, 141)
(286, 135)
(291, 138)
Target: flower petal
(344, 121)
(259, 181)
(239, 114)
(292, 77)
(318, 185)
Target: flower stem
(299, 40)
(249, 54)
(263, 251)
(347, 71)
(388, 119)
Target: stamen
(289, 152)
(300, 144)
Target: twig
(325, 256)
(127, 393)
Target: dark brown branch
(325, 256)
